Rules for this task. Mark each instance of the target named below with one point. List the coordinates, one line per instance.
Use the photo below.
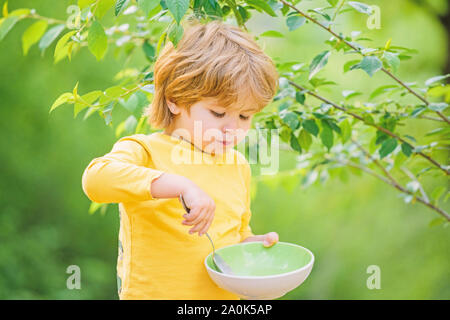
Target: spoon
(217, 259)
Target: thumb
(270, 239)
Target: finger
(270, 239)
(192, 223)
(192, 214)
(198, 226)
(200, 216)
(273, 236)
(208, 224)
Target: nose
(231, 125)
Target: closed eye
(218, 115)
(221, 115)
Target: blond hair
(212, 59)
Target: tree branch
(356, 116)
(420, 97)
(395, 185)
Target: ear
(173, 107)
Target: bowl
(262, 273)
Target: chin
(219, 148)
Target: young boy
(206, 92)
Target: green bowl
(262, 272)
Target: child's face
(211, 126)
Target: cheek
(241, 134)
(211, 131)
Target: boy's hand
(202, 208)
(268, 239)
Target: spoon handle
(184, 204)
(216, 258)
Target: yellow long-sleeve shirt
(158, 258)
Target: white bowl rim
(261, 277)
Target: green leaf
(382, 90)
(175, 34)
(115, 92)
(333, 125)
(392, 60)
(305, 139)
(361, 7)
(407, 149)
(130, 124)
(346, 130)
(178, 8)
(135, 103)
(90, 112)
(432, 80)
(311, 126)
(295, 143)
(19, 12)
(349, 64)
(348, 94)
(33, 34)
(149, 51)
(243, 13)
(438, 106)
(119, 6)
(86, 100)
(284, 133)
(61, 100)
(439, 91)
(318, 63)
(417, 111)
(97, 40)
(368, 118)
(103, 7)
(370, 64)
(294, 22)
(7, 25)
(436, 131)
(272, 33)
(326, 135)
(61, 48)
(212, 8)
(85, 3)
(300, 97)
(50, 36)
(262, 5)
(323, 14)
(387, 147)
(106, 113)
(147, 5)
(410, 138)
(333, 3)
(112, 93)
(291, 119)
(232, 5)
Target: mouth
(226, 143)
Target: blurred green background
(348, 225)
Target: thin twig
(356, 116)
(49, 20)
(420, 97)
(414, 178)
(377, 163)
(395, 185)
